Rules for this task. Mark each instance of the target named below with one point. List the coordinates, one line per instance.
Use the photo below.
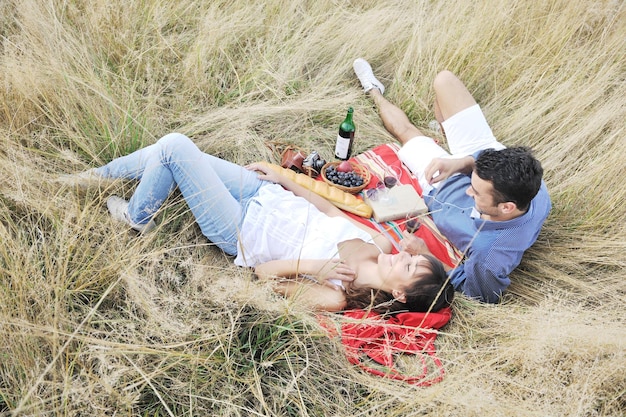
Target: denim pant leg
(130, 166)
(215, 190)
(150, 195)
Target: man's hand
(441, 168)
(416, 246)
(413, 244)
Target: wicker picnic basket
(358, 169)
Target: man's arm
(441, 168)
(480, 278)
(416, 246)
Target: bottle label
(342, 147)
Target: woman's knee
(174, 139)
(173, 144)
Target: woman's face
(402, 269)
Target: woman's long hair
(431, 292)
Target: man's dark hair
(514, 173)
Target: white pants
(467, 132)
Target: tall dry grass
(95, 321)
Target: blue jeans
(216, 191)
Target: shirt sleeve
(482, 278)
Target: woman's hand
(265, 172)
(413, 244)
(335, 269)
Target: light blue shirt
(493, 249)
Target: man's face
(482, 193)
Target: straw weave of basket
(360, 170)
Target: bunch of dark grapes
(346, 179)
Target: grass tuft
(95, 320)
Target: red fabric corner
(367, 333)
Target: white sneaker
(363, 71)
(118, 207)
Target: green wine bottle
(345, 137)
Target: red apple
(344, 167)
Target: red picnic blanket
(381, 339)
(375, 160)
(368, 335)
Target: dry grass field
(95, 321)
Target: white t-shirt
(280, 225)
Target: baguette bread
(341, 199)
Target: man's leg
(464, 124)
(394, 119)
(451, 96)
(417, 149)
